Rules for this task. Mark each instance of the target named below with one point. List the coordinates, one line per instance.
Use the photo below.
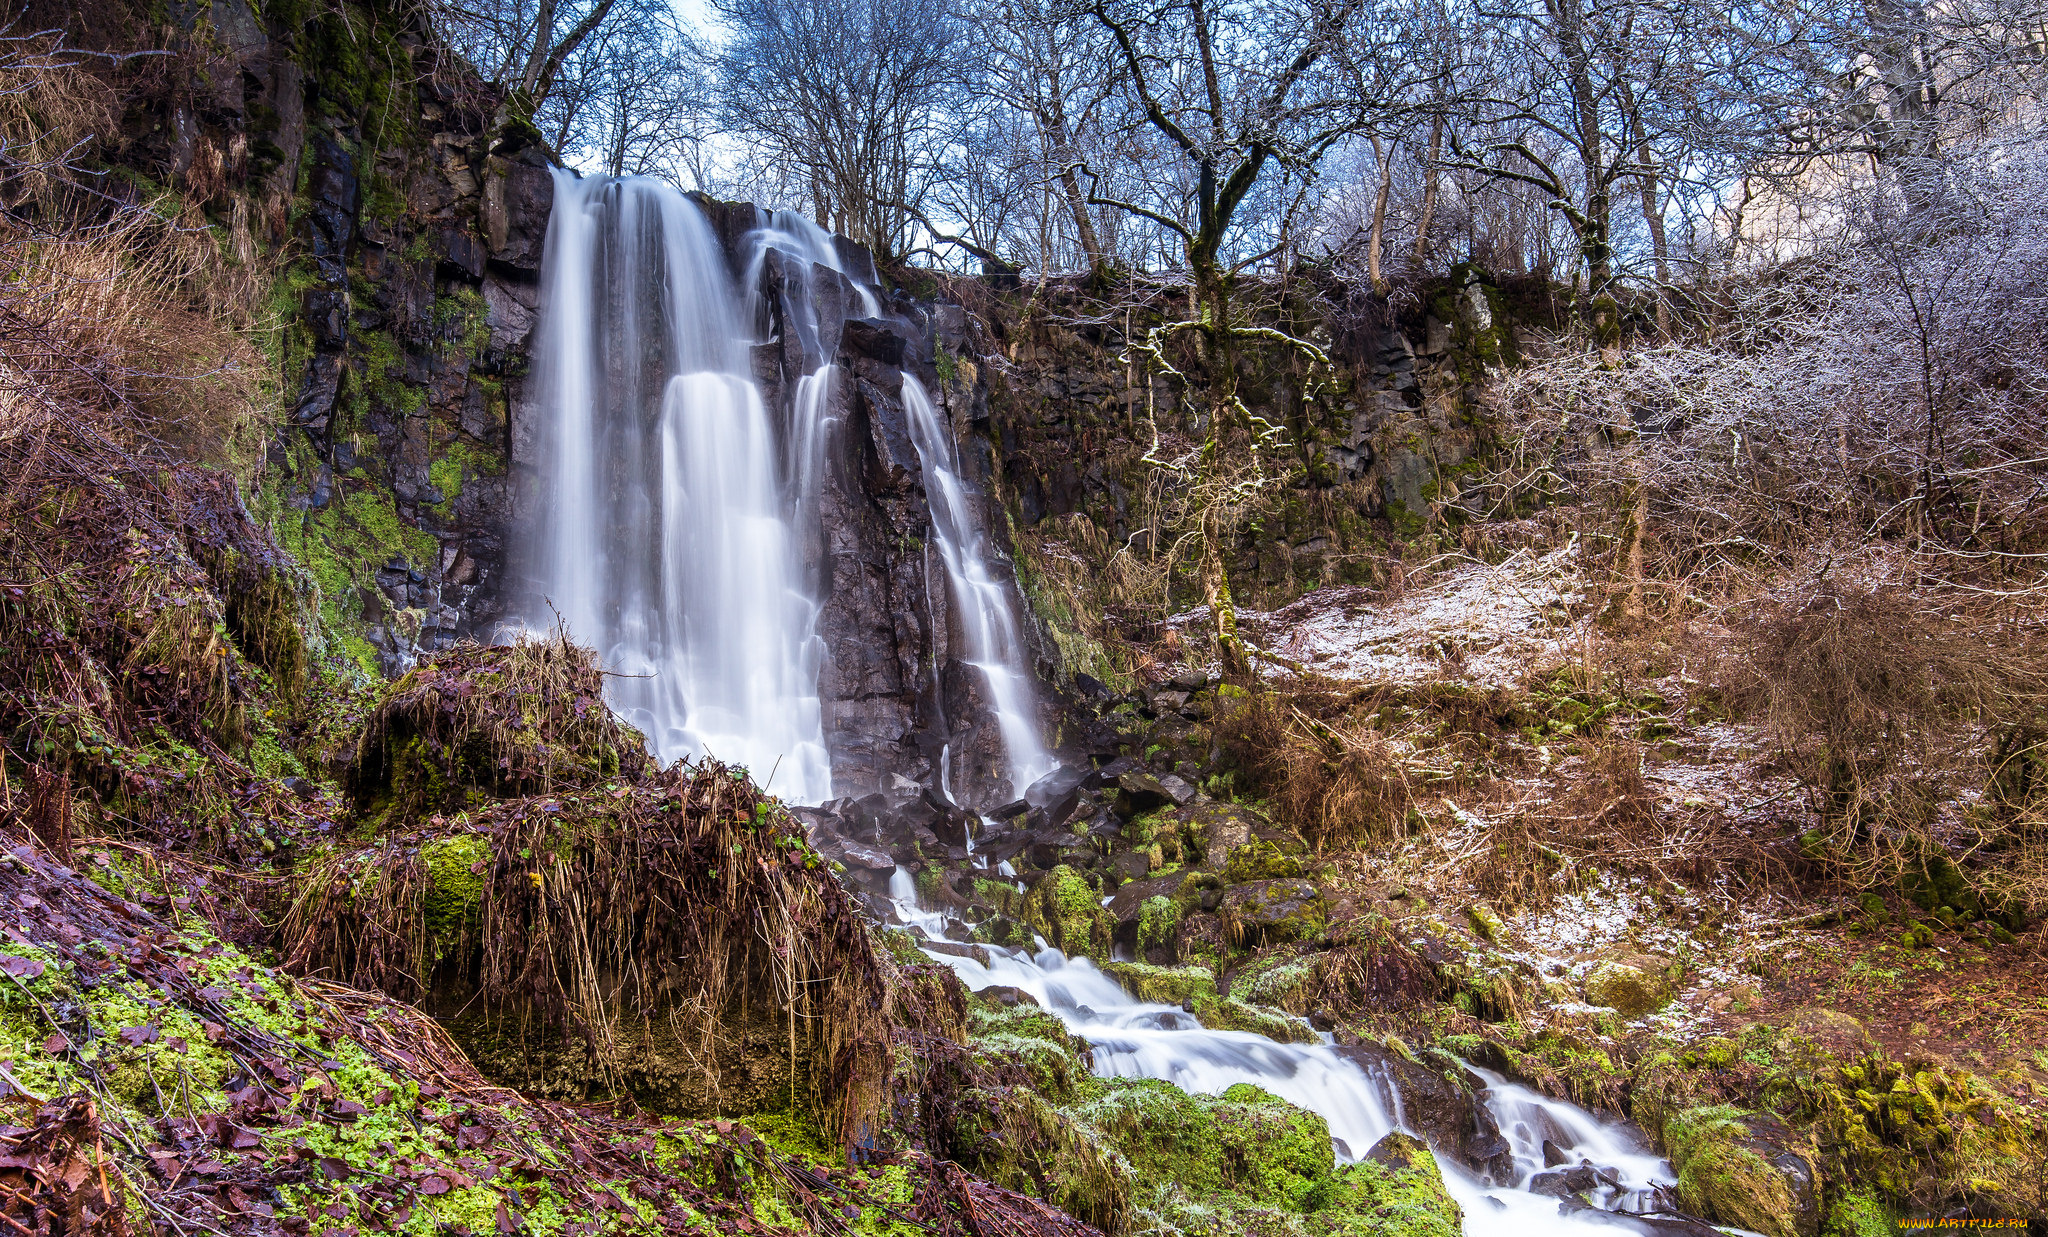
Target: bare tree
(1036, 103)
(849, 94)
(632, 100)
(1243, 103)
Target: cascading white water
(988, 626)
(667, 538)
(1134, 1039)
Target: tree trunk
(1213, 294)
(1379, 216)
(1429, 176)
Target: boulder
(1629, 991)
(1139, 793)
(1065, 909)
(1273, 912)
(1744, 1169)
(1399, 1186)
(1177, 789)
(1443, 1107)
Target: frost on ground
(1486, 622)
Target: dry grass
(685, 909)
(522, 718)
(1341, 782)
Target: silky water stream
(1134, 1039)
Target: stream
(1134, 1039)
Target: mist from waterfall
(988, 626)
(666, 534)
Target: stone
(955, 950)
(1273, 912)
(1564, 1182)
(1007, 997)
(1487, 923)
(1629, 991)
(1744, 1169)
(1177, 789)
(1131, 865)
(1443, 1108)
(1138, 793)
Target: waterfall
(666, 537)
(988, 626)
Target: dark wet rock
(1176, 789)
(1554, 1155)
(1190, 680)
(1443, 1107)
(1010, 810)
(1131, 865)
(1049, 850)
(1564, 1182)
(954, 950)
(1008, 998)
(1139, 793)
(1092, 688)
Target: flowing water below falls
(1133, 1039)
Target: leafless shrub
(1880, 688)
(1886, 388)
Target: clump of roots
(686, 911)
(493, 721)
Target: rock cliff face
(396, 210)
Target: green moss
(1723, 1179)
(1158, 923)
(1065, 909)
(455, 891)
(1857, 1214)
(1243, 1142)
(1260, 860)
(1399, 1193)
(1194, 988)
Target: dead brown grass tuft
(527, 717)
(674, 940)
(1340, 782)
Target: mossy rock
(1629, 991)
(1736, 1167)
(1260, 860)
(1065, 909)
(1245, 1141)
(1487, 923)
(1397, 1190)
(1194, 988)
(1275, 912)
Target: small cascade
(1135, 1039)
(666, 533)
(988, 626)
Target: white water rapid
(995, 646)
(667, 539)
(1133, 1039)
